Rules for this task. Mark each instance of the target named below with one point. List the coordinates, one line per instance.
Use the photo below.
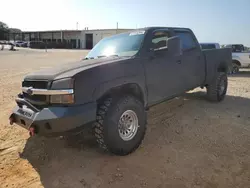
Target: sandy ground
(189, 142)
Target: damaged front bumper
(52, 121)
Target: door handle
(178, 61)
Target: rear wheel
(121, 124)
(235, 68)
(217, 90)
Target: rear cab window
(208, 46)
(187, 40)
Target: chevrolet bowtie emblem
(29, 90)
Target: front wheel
(217, 90)
(121, 124)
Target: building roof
(56, 31)
(120, 29)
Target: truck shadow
(77, 161)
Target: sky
(223, 21)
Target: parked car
(19, 43)
(117, 82)
(208, 46)
(240, 56)
(24, 44)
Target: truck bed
(216, 58)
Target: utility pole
(116, 27)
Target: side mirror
(174, 46)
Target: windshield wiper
(89, 58)
(101, 56)
(115, 55)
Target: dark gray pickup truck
(115, 84)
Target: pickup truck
(240, 57)
(112, 88)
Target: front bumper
(52, 121)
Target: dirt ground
(189, 143)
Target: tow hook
(32, 131)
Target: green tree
(7, 33)
(4, 29)
(14, 30)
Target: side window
(187, 40)
(159, 40)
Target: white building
(84, 39)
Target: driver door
(162, 69)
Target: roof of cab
(160, 27)
(209, 43)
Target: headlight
(65, 84)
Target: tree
(14, 30)
(3, 30)
(7, 33)
(3, 25)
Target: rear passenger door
(193, 65)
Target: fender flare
(103, 88)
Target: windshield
(126, 44)
(237, 48)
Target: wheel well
(132, 89)
(236, 62)
(222, 67)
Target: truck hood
(70, 69)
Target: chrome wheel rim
(235, 69)
(128, 125)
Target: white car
(241, 58)
(19, 43)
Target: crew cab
(240, 57)
(117, 82)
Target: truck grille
(35, 84)
(36, 100)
